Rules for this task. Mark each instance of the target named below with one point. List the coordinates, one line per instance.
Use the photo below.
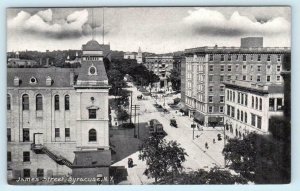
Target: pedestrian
(214, 141)
(206, 145)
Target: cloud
(42, 24)
(211, 22)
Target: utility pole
(136, 107)
(130, 106)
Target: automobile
(173, 123)
(166, 111)
(155, 127)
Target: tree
(163, 159)
(175, 79)
(213, 176)
(122, 115)
(259, 158)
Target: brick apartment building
(206, 69)
(57, 119)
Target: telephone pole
(136, 107)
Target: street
(198, 156)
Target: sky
(154, 29)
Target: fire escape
(41, 149)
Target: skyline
(154, 29)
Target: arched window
(8, 102)
(67, 102)
(92, 135)
(56, 102)
(39, 102)
(25, 102)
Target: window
(232, 112)
(229, 57)
(228, 78)
(260, 104)
(244, 57)
(221, 78)
(8, 102)
(278, 78)
(56, 102)
(222, 99)
(222, 68)
(279, 104)
(252, 119)
(258, 68)
(8, 156)
(221, 109)
(92, 135)
(26, 156)
(256, 103)
(221, 88)
(242, 116)
(251, 78)
(25, 102)
(268, 78)
(229, 68)
(67, 102)
(246, 99)
(210, 109)
(278, 68)
(26, 137)
(258, 78)
(92, 70)
(271, 104)
(39, 102)
(259, 122)
(211, 68)
(278, 58)
(26, 173)
(40, 173)
(244, 67)
(222, 57)
(251, 57)
(238, 114)
(268, 67)
(57, 132)
(269, 58)
(228, 110)
(210, 99)
(67, 132)
(239, 98)
(92, 114)
(8, 134)
(210, 78)
(244, 77)
(210, 88)
(237, 57)
(259, 57)
(211, 57)
(252, 102)
(246, 117)
(233, 97)
(237, 77)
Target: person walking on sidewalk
(206, 145)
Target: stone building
(207, 68)
(250, 105)
(161, 66)
(57, 119)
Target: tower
(139, 57)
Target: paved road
(198, 155)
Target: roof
(91, 45)
(237, 50)
(60, 76)
(96, 158)
(83, 71)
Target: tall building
(161, 66)
(207, 68)
(57, 119)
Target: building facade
(207, 68)
(161, 66)
(57, 119)
(130, 56)
(250, 105)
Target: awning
(198, 117)
(214, 119)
